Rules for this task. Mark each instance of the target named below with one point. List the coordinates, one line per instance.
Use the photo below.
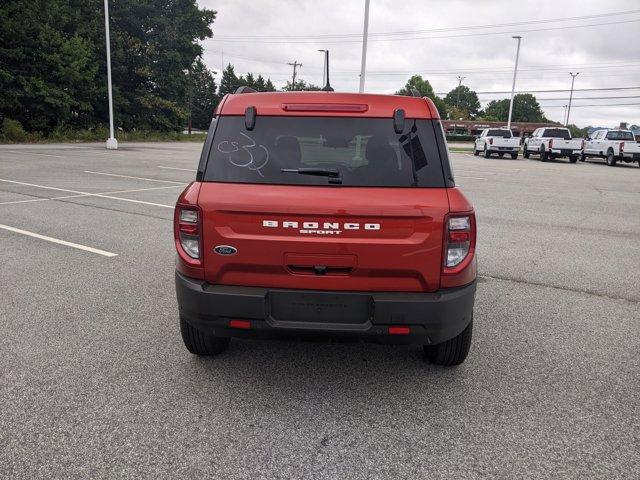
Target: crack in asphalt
(558, 287)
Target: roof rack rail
(245, 89)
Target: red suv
(320, 213)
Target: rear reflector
(399, 330)
(244, 324)
(324, 107)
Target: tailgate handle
(319, 270)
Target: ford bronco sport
(326, 214)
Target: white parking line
(32, 153)
(176, 168)
(89, 194)
(58, 241)
(135, 178)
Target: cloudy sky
(441, 39)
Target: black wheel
(611, 159)
(200, 344)
(583, 157)
(475, 152)
(573, 158)
(452, 352)
(544, 156)
(487, 153)
(525, 152)
(514, 156)
(501, 154)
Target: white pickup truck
(553, 142)
(497, 140)
(613, 145)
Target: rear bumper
(504, 149)
(560, 152)
(432, 317)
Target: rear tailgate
(506, 142)
(324, 238)
(573, 144)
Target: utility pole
(365, 35)
(564, 117)
(324, 68)
(573, 79)
(513, 86)
(459, 85)
(295, 66)
(112, 143)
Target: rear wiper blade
(332, 173)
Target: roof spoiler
(245, 89)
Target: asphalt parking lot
(95, 381)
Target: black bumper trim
(433, 317)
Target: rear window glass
(325, 151)
(499, 133)
(557, 133)
(620, 135)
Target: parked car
(613, 145)
(317, 213)
(553, 142)
(498, 141)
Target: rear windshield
(325, 151)
(620, 135)
(499, 133)
(557, 133)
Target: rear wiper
(332, 173)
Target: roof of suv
(328, 104)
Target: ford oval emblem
(225, 250)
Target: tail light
(187, 230)
(491, 141)
(458, 267)
(551, 143)
(621, 148)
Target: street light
(324, 66)
(573, 79)
(365, 34)
(112, 143)
(513, 86)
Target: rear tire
(200, 344)
(514, 156)
(543, 155)
(573, 158)
(611, 159)
(487, 153)
(583, 157)
(452, 352)
(475, 152)
(525, 152)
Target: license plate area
(320, 308)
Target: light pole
(573, 79)
(324, 66)
(112, 143)
(460, 79)
(513, 86)
(365, 34)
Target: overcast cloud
(606, 55)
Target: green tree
(464, 100)
(425, 89)
(230, 82)
(53, 62)
(202, 97)
(525, 109)
(301, 85)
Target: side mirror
(588, 138)
(398, 120)
(250, 117)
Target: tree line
(53, 69)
